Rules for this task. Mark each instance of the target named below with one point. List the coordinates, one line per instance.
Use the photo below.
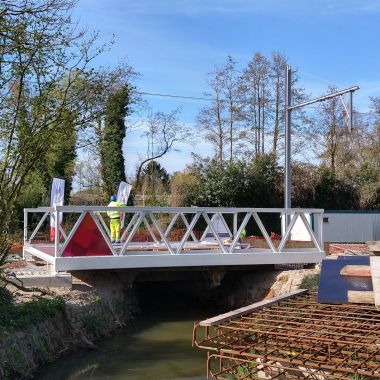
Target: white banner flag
(56, 199)
(122, 196)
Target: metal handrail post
(320, 230)
(25, 232)
(314, 238)
(56, 226)
(235, 224)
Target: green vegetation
(111, 139)
(51, 100)
(310, 282)
(19, 316)
(94, 323)
(6, 297)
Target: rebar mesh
(295, 338)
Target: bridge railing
(158, 222)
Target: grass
(18, 316)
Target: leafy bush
(310, 282)
(332, 193)
(210, 183)
(6, 297)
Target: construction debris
(374, 247)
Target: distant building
(341, 227)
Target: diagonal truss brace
(140, 217)
(189, 231)
(38, 226)
(162, 234)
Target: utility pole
(288, 145)
(288, 129)
(351, 113)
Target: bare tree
(220, 122)
(232, 88)
(164, 131)
(210, 120)
(278, 67)
(256, 78)
(328, 130)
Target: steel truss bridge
(80, 239)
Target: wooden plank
(356, 270)
(248, 309)
(375, 271)
(374, 247)
(355, 296)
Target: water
(156, 347)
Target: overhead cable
(176, 96)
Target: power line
(177, 96)
(319, 78)
(174, 96)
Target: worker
(114, 219)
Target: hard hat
(113, 198)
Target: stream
(155, 346)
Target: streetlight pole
(288, 148)
(288, 128)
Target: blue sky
(174, 43)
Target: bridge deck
(82, 241)
(145, 257)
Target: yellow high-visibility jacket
(114, 214)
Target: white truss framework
(159, 222)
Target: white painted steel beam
(38, 226)
(171, 224)
(106, 237)
(183, 217)
(104, 224)
(310, 231)
(264, 232)
(173, 210)
(240, 230)
(162, 234)
(71, 234)
(133, 231)
(149, 228)
(130, 224)
(287, 232)
(215, 233)
(200, 259)
(188, 232)
(38, 253)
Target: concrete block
(43, 281)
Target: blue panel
(333, 287)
